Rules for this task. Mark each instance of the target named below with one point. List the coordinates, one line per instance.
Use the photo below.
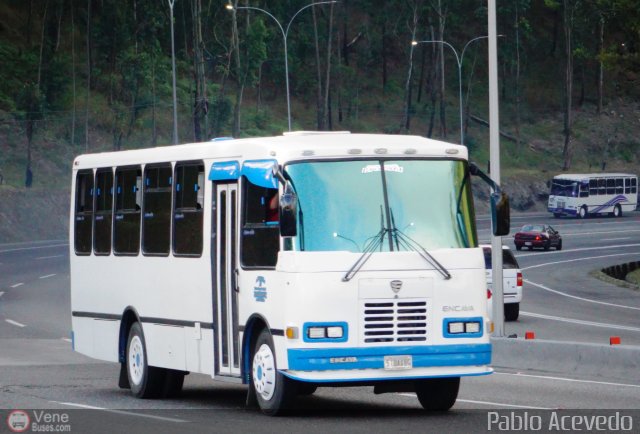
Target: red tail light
(488, 294)
(519, 279)
(537, 237)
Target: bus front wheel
(145, 381)
(582, 213)
(437, 394)
(273, 391)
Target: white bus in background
(581, 195)
(285, 263)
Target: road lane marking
(15, 323)
(615, 239)
(1, 293)
(571, 380)
(500, 404)
(47, 276)
(66, 339)
(580, 298)
(33, 248)
(581, 322)
(16, 285)
(577, 259)
(127, 413)
(49, 257)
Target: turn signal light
(519, 279)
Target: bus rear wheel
(437, 394)
(145, 381)
(273, 391)
(617, 211)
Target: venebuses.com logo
(18, 421)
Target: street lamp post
(459, 63)
(285, 33)
(173, 68)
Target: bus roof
(298, 145)
(581, 176)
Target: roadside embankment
(33, 214)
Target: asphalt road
(562, 301)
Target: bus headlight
(325, 332)
(462, 327)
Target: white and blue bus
(285, 263)
(580, 195)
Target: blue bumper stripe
(373, 358)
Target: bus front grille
(394, 321)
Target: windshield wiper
(409, 243)
(374, 244)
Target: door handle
(236, 274)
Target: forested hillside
(92, 75)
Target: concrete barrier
(584, 359)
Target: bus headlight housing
(325, 332)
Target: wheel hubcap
(264, 372)
(136, 360)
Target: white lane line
(33, 248)
(16, 285)
(615, 239)
(47, 276)
(15, 323)
(581, 322)
(499, 404)
(66, 339)
(1, 293)
(599, 232)
(578, 259)
(127, 413)
(49, 257)
(588, 300)
(571, 380)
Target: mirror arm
(475, 171)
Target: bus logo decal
(260, 289)
(396, 285)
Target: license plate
(527, 243)
(398, 362)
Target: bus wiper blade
(409, 243)
(374, 244)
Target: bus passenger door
(224, 266)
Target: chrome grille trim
(393, 321)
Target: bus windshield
(564, 187)
(342, 204)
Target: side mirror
(288, 212)
(500, 214)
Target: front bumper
(367, 364)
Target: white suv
(512, 282)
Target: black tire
(518, 247)
(273, 391)
(559, 246)
(547, 246)
(582, 212)
(437, 394)
(557, 215)
(511, 311)
(617, 211)
(530, 247)
(146, 381)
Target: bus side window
(83, 221)
(104, 212)
(126, 229)
(260, 235)
(619, 185)
(156, 219)
(593, 187)
(634, 183)
(188, 209)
